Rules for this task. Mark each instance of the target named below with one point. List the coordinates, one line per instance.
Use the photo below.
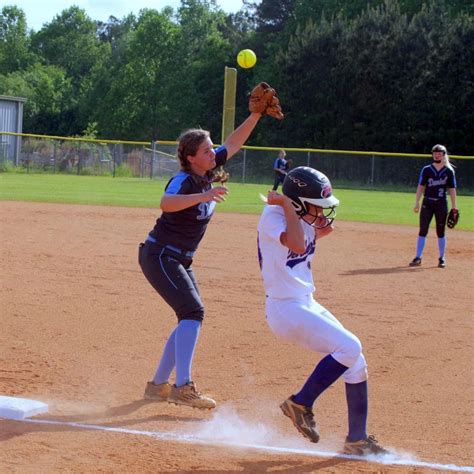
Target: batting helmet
(305, 185)
(439, 148)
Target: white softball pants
(308, 324)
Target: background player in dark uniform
(167, 254)
(280, 167)
(434, 180)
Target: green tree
(70, 42)
(311, 87)
(439, 101)
(271, 16)
(48, 93)
(95, 103)
(116, 33)
(203, 52)
(136, 98)
(15, 51)
(170, 76)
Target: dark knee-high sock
(185, 342)
(357, 407)
(324, 375)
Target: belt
(185, 253)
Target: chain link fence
(350, 170)
(251, 165)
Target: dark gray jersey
(184, 229)
(436, 182)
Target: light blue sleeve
(175, 184)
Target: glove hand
(274, 109)
(263, 100)
(453, 218)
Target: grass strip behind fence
(356, 205)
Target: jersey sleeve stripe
(176, 182)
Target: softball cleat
(187, 395)
(302, 417)
(364, 447)
(416, 262)
(158, 392)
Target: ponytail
(447, 163)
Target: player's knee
(352, 351)
(195, 315)
(440, 232)
(423, 233)
(360, 374)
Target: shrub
(123, 171)
(6, 166)
(87, 171)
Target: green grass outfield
(356, 205)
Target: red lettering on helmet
(326, 191)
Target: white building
(11, 120)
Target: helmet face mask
(308, 190)
(321, 218)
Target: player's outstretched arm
(241, 134)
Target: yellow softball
(246, 58)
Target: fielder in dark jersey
(166, 255)
(280, 168)
(184, 229)
(435, 181)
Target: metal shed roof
(13, 99)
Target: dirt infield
(82, 330)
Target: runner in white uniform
(286, 242)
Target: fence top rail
(84, 139)
(247, 147)
(354, 152)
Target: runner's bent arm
(293, 238)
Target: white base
(14, 408)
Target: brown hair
(188, 143)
